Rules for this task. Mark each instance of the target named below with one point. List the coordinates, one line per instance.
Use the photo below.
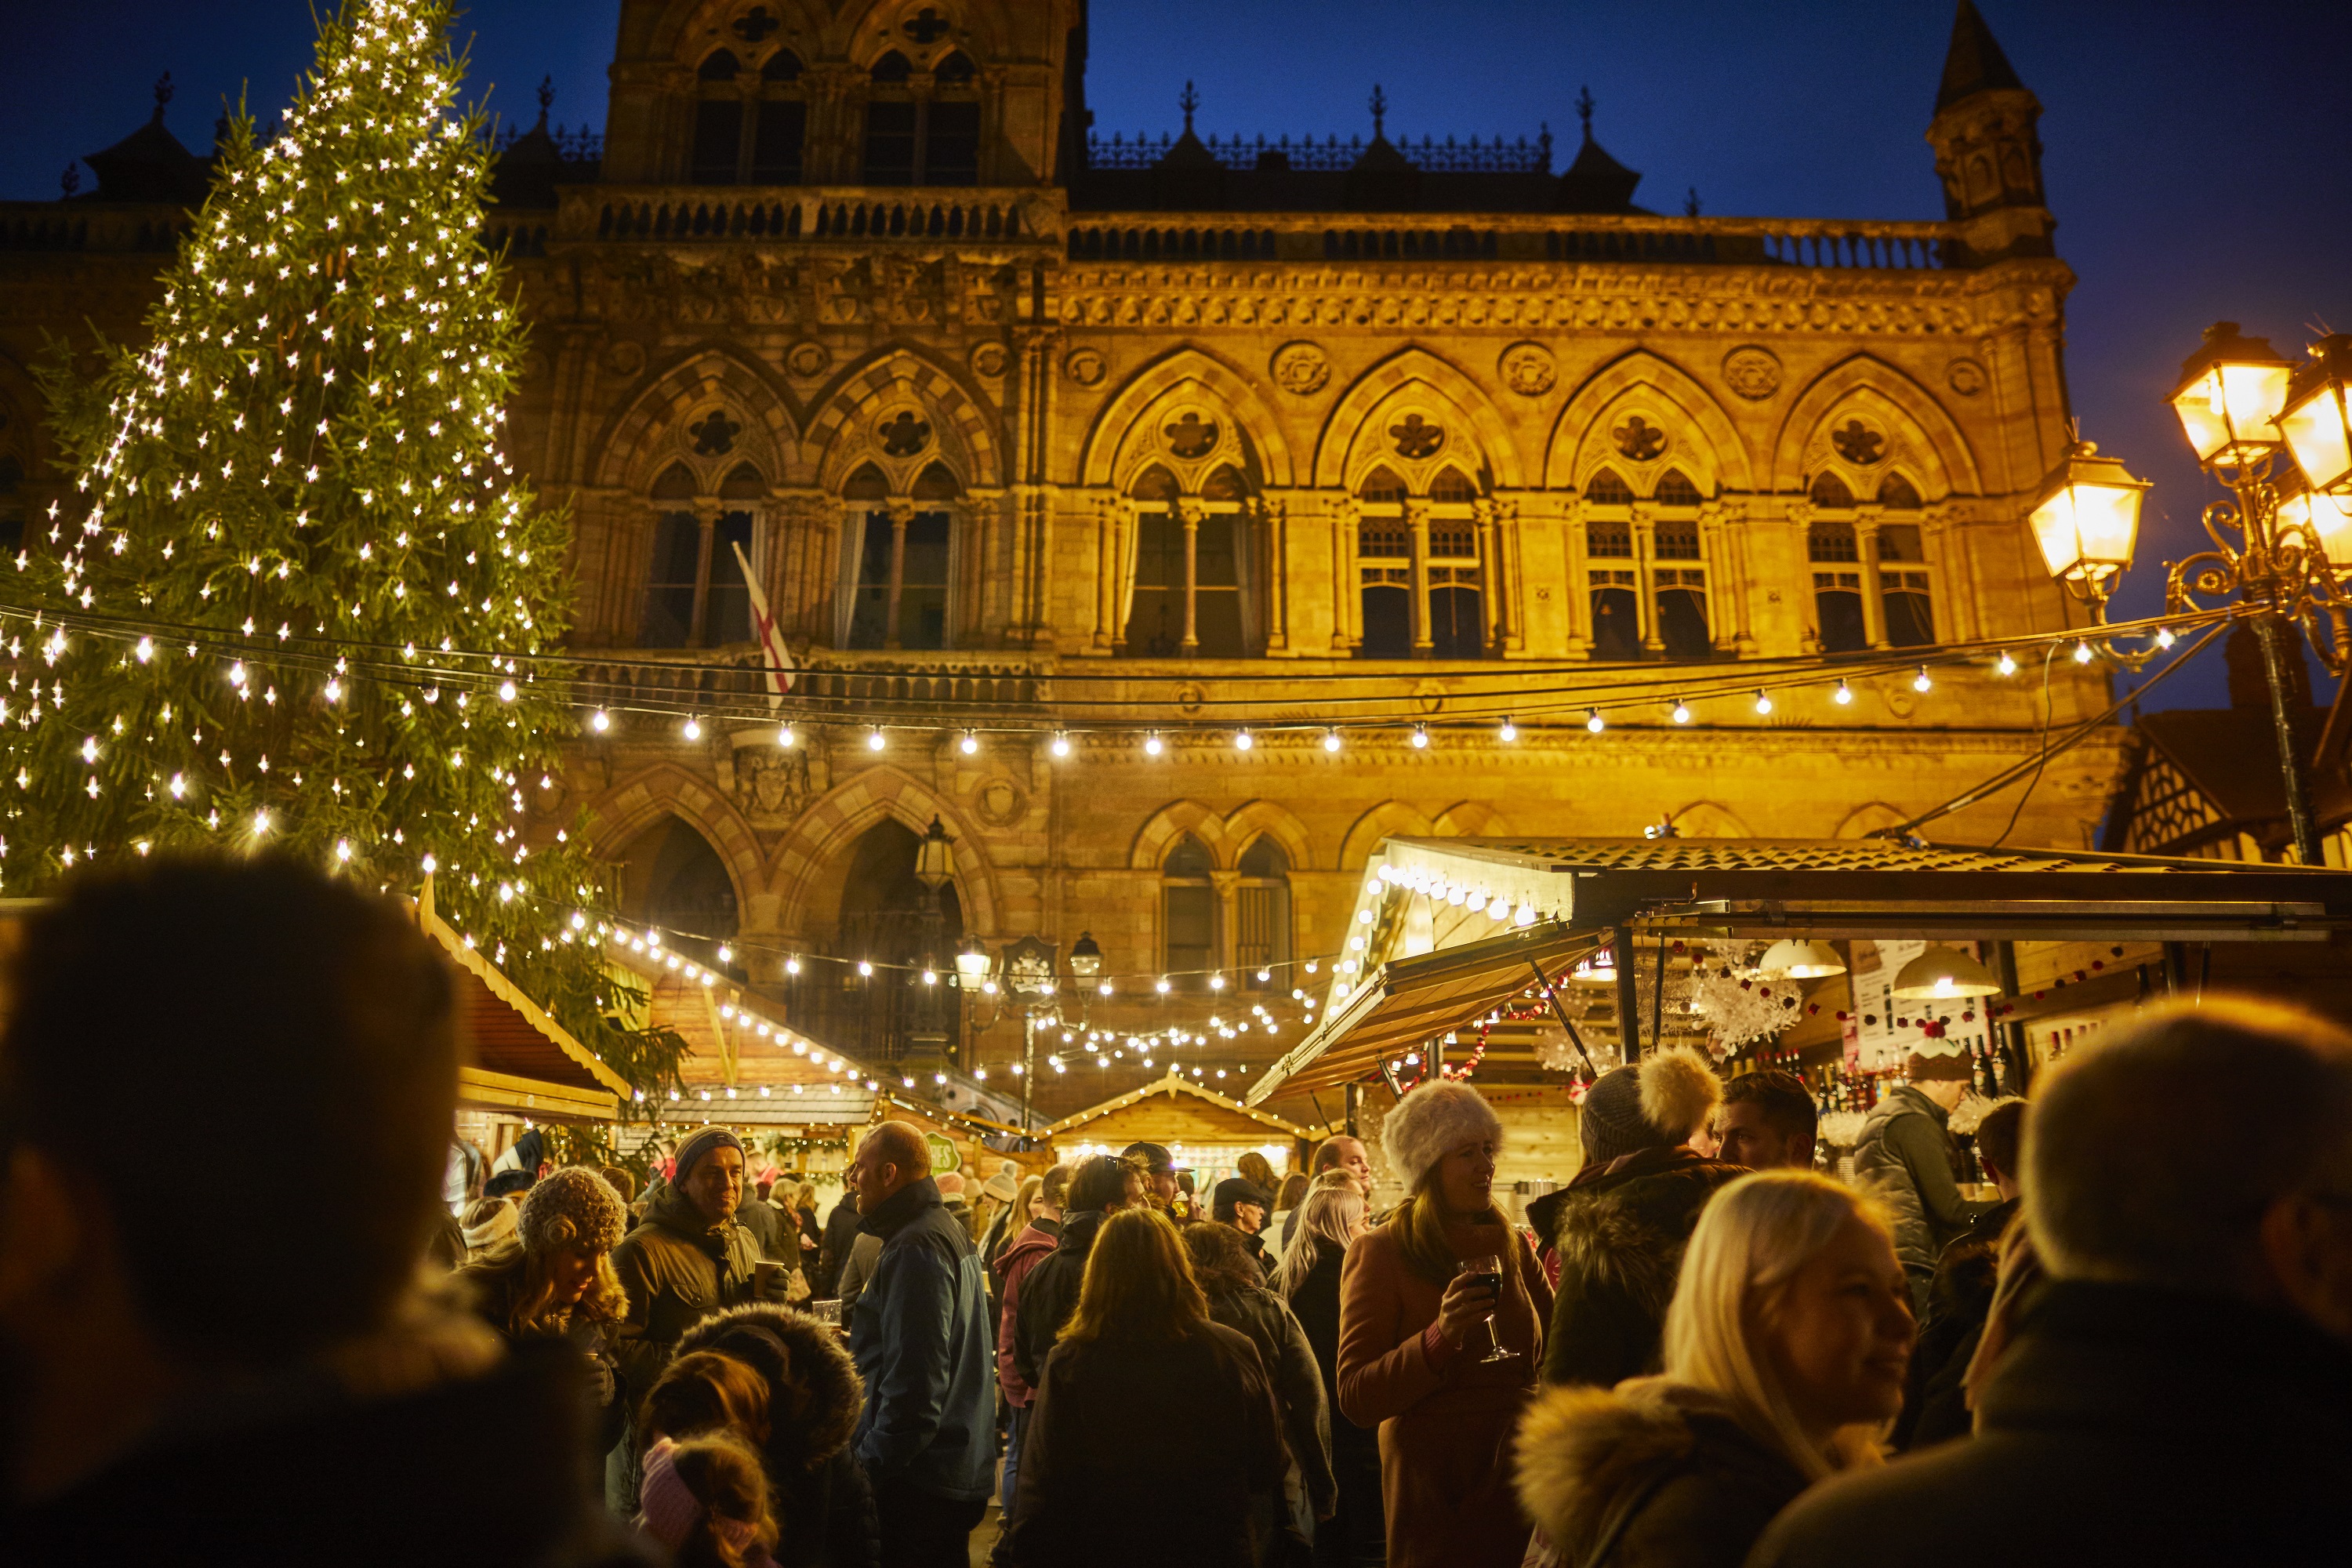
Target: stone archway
(867, 906)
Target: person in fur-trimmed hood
(1623, 1220)
(1784, 1355)
(823, 1506)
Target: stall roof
(1174, 1085)
(523, 1060)
(1429, 968)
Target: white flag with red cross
(778, 657)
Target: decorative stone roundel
(902, 435)
(1752, 372)
(807, 360)
(1639, 440)
(1085, 367)
(625, 357)
(1527, 369)
(1000, 803)
(1301, 368)
(1858, 444)
(1965, 377)
(1415, 438)
(1192, 437)
(988, 360)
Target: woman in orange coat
(1413, 1338)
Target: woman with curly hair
(554, 1280)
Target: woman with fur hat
(555, 1280)
(1620, 1224)
(784, 1383)
(1413, 1337)
(1785, 1348)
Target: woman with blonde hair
(1784, 1352)
(1330, 1218)
(554, 1279)
(1441, 1314)
(1140, 1360)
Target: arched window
(1188, 923)
(696, 594)
(1451, 488)
(719, 65)
(956, 70)
(1830, 491)
(922, 138)
(1187, 595)
(1262, 915)
(1605, 488)
(1903, 586)
(1837, 585)
(1381, 487)
(1383, 568)
(1613, 591)
(757, 138)
(1674, 490)
(672, 877)
(898, 561)
(1896, 493)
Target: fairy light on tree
(307, 447)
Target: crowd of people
(1701, 1350)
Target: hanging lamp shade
(2229, 394)
(2087, 520)
(1800, 959)
(1943, 974)
(2327, 517)
(971, 960)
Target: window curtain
(852, 558)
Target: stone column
(901, 514)
(1416, 524)
(1646, 587)
(1874, 605)
(1191, 512)
(706, 517)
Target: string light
(1509, 731)
(1920, 681)
(2164, 638)
(1681, 713)
(1420, 737)
(2005, 665)
(1592, 720)
(874, 741)
(1061, 743)
(785, 736)
(693, 731)
(1763, 703)
(599, 721)
(2082, 653)
(1242, 741)
(1152, 745)
(1331, 739)
(1842, 695)
(968, 745)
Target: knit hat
(1005, 1185)
(1430, 1120)
(498, 1228)
(951, 1185)
(1653, 1105)
(1950, 1065)
(574, 1206)
(701, 1141)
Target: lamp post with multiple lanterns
(2282, 542)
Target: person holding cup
(1441, 1314)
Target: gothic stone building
(1059, 457)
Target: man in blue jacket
(922, 1341)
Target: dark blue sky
(2196, 153)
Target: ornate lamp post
(2281, 547)
(934, 869)
(1028, 970)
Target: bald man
(921, 1340)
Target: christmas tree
(300, 599)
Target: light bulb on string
(785, 736)
(2082, 653)
(599, 721)
(1243, 740)
(874, 741)
(1152, 744)
(1508, 733)
(1844, 695)
(2164, 638)
(1331, 739)
(1680, 714)
(1592, 720)
(2005, 665)
(1920, 682)
(968, 745)
(1061, 747)
(1420, 737)
(1763, 703)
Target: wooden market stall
(1557, 956)
(1205, 1132)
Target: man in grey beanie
(1905, 1157)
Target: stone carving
(1965, 377)
(988, 360)
(625, 357)
(807, 360)
(1085, 367)
(1858, 444)
(1638, 440)
(1417, 438)
(714, 435)
(772, 781)
(1192, 437)
(1527, 369)
(903, 436)
(1301, 368)
(1000, 803)
(1751, 371)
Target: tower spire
(1188, 102)
(1987, 153)
(1379, 110)
(1584, 107)
(1974, 63)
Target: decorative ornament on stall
(1740, 1004)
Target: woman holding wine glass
(1441, 1329)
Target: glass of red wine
(1488, 1271)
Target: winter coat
(1905, 1158)
(678, 1269)
(2127, 1425)
(1094, 1486)
(822, 1501)
(1935, 1404)
(1019, 1257)
(1315, 1304)
(1289, 1361)
(1623, 1228)
(833, 1253)
(768, 1228)
(493, 1285)
(1050, 1294)
(1445, 1416)
(477, 1471)
(921, 1344)
(1651, 1475)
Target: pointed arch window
(923, 133)
(1896, 493)
(1420, 568)
(1188, 923)
(1675, 489)
(898, 561)
(749, 127)
(1188, 598)
(1903, 586)
(1829, 491)
(696, 595)
(1872, 584)
(1262, 915)
(1613, 591)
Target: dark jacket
(678, 1269)
(1623, 1228)
(493, 1284)
(484, 1472)
(1315, 1304)
(1097, 1482)
(1013, 1264)
(922, 1345)
(1935, 1403)
(839, 1234)
(1289, 1361)
(771, 1230)
(822, 1502)
(1905, 1158)
(1050, 1294)
(2124, 1425)
(1256, 1247)
(1652, 1475)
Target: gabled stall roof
(1171, 1084)
(1575, 893)
(523, 1060)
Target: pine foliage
(310, 604)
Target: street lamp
(1028, 970)
(2317, 417)
(934, 869)
(1086, 956)
(2230, 392)
(2088, 520)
